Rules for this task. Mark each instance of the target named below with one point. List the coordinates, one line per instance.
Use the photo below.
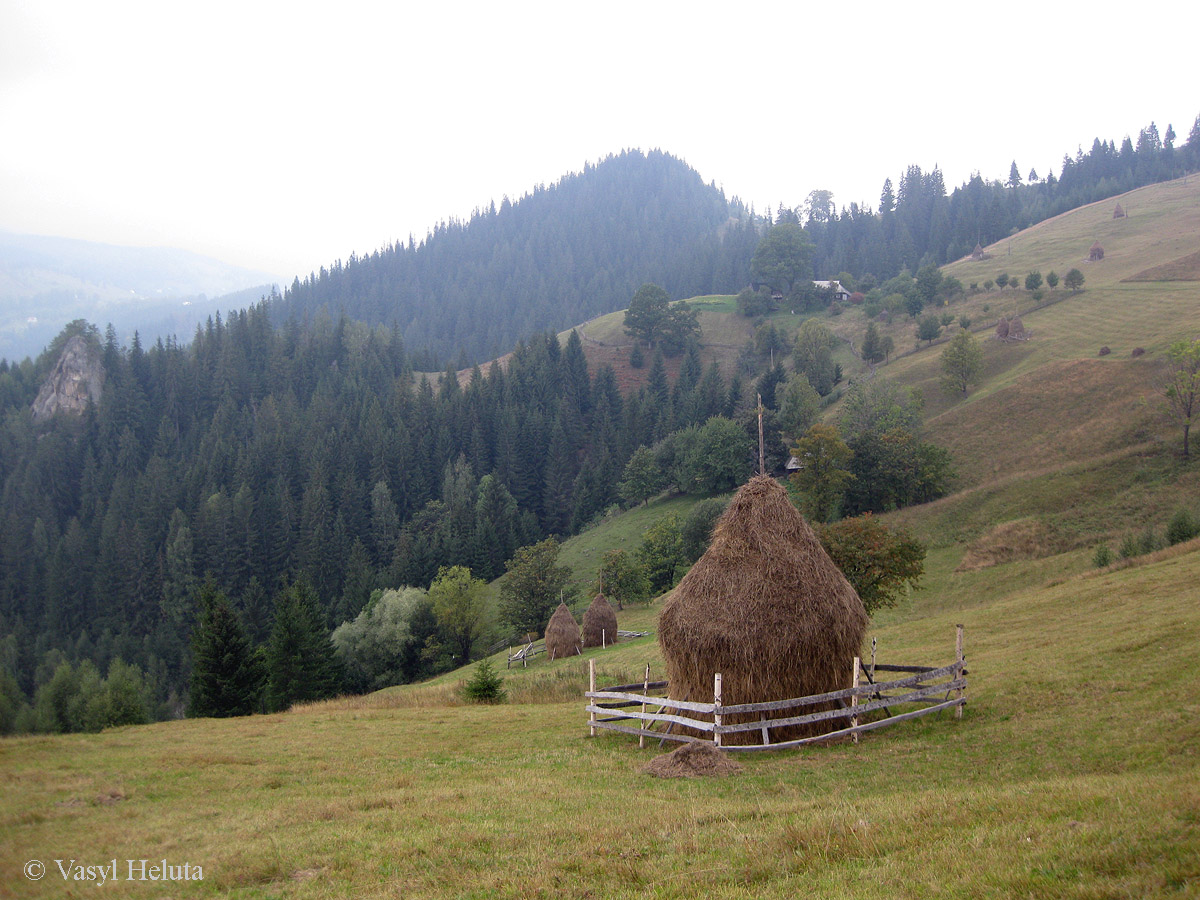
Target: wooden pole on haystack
(762, 456)
(962, 671)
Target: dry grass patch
(1008, 542)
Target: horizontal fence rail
(930, 689)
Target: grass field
(1073, 774)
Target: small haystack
(562, 634)
(1096, 253)
(1118, 213)
(599, 623)
(978, 253)
(766, 607)
(1002, 329)
(1016, 329)
(692, 761)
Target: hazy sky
(284, 135)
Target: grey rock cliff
(77, 378)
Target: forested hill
(558, 256)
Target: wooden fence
(626, 708)
(532, 648)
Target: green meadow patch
(1073, 774)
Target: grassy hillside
(1073, 774)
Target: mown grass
(1073, 775)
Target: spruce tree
(301, 664)
(227, 674)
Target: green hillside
(1072, 774)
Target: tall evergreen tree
(227, 673)
(300, 660)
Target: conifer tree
(301, 664)
(227, 674)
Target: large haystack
(562, 634)
(599, 623)
(766, 607)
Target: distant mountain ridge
(46, 282)
(558, 256)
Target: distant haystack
(562, 634)
(978, 253)
(1096, 253)
(766, 607)
(1016, 329)
(1118, 213)
(599, 623)
(1002, 329)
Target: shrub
(1149, 541)
(1103, 557)
(1129, 547)
(485, 686)
(1182, 527)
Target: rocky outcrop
(76, 380)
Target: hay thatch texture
(766, 607)
(692, 761)
(562, 634)
(599, 623)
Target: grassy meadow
(1073, 774)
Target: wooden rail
(930, 689)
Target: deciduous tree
(962, 361)
(879, 562)
(1182, 388)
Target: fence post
(644, 725)
(962, 670)
(603, 638)
(717, 709)
(592, 700)
(854, 697)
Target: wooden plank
(645, 690)
(869, 726)
(717, 699)
(915, 696)
(705, 708)
(592, 687)
(854, 700)
(961, 658)
(681, 738)
(661, 717)
(844, 694)
(621, 688)
(891, 668)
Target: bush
(485, 686)
(1129, 547)
(1150, 541)
(1182, 527)
(1103, 557)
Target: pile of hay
(978, 253)
(1096, 253)
(599, 623)
(692, 761)
(562, 634)
(1118, 213)
(766, 607)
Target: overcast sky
(284, 135)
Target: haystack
(766, 607)
(1096, 253)
(1118, 213)
(698, 760)
(599, 623)
(562, 634)
(978, 253)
